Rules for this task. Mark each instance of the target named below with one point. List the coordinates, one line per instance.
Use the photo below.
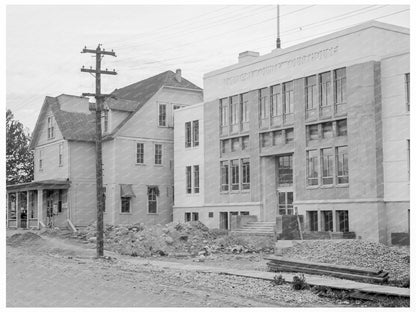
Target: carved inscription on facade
(292, 62)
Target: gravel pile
(175, 239)
(359, 253)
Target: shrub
(299, 282)
(278, 280)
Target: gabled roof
(73, 125)
(142, 91)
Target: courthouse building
(321, 127)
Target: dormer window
(50, 127)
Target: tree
(19, 157)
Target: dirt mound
(394, 260)
(19, 239)
(185, 239)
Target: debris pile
(359, 253)
(190, 239)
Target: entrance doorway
(224, 220)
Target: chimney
(178, 75)
(247, 56)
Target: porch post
(17, 210)
(40, 207)
(27, 209)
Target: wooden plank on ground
(328, 266)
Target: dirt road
(51, 272)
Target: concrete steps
(257, 228)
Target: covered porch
(37, 204)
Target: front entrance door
(285, 203)
(224, 220)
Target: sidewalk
(312, 280)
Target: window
(245, 166)
(196, 179)
(407, 83)
(342, 127)
(60, 201)
(61, 154)
(235, 144)
(105, 117)
(245, 142)
(244, 213)
(285, 170)
(40, 160)
(158, 154)
(191, 216)
(327, 130)
(225, 146)
(285, 203)
(276, 100)
(264, 112)
(408, 159)
(224, 111)
(340, 86)
(188, 134)
(50, 127)
(342, 220)
(195, 216)
(162, 115)
(234, 110)
(289, 135)
(188, 179)
(313, 220)
(188, 216)
(140, 153)
(327, 162)
(328, 225)
(288, 97)
(310, 91)
(125, 205)
(224, 176)
(324, 89)
(152, 193)
(342, 164)
(277, 137)
(210, 215)
(265, 139)
(312, 163)
(313, 132)
(195, 136)
(235, 177)
(245, 110)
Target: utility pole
(99, 100)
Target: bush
(278, 280)
(299, 283)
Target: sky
(43, 43)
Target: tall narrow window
(264, 112)
(188, 134)
(342, 127)
(289, 135)
(245, 166)
(244, 142)
(285, 170)
(343, 222)
(224, 176)
(340, 86)
(235, 174)
(152, 193)
(313, 220)
(140, 153)
(310, 91)
(313, 132)
(61, 154)
(188, 179)
(224, 111)
(50, 127)
(327, 161)
(195, 130)
(234, 110)
(158, 154)
(244, 108)
(276, 98)
(288, 99)
(342, 164)
(40, 160)
(162, 115)
(125, 204)
(324, 89)
(327, 131)
(312, 163)
(196, 179)
(407, 82)
(235, 144)
(327, 220)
